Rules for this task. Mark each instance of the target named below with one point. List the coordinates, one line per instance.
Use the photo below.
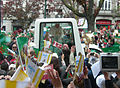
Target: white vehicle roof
(92, 46)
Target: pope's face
(57, 25)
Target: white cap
(55, 55)
(12, 66)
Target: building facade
(109, 15)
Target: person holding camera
(93, 57)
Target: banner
(79, 63)
(13, 84)
(113, 49)
(44, 57)
(34, 73)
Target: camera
(110, 62)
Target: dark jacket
(87, 83)
(109, 84)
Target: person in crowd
(93, 57)
(71, 58)
(11, 43)
(62, 71)
(57, 32)
(66, 52)
(90, 59)
(14, 48)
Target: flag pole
(20, 56)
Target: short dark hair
(4, 66)
(2, 57)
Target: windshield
(55, 35)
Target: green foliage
(25, 11)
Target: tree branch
(76, 12)
(85, 8)
(96, 11)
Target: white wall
(8, 25)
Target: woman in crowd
(62, 71)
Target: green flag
(117, 36)
(32, 35)
(36, 51)
(28, 34)
(7, 39)
(3, 48)
(21, 41)
(2, 38)
(105, 40)
(95, 33)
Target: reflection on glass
(62, 33)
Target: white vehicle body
(76, 36)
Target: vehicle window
(57, 34)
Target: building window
(102, 6)
(109, 5)
(105, 5)
(118, 6)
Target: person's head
(32, 53)
(55, 62)
(12, 67)
(57, 25)
(65, 47)
(4, 66)
(13, 39)
(14, 47)
(79, 82)
(73, 49)
(109, 41)
(2, 72)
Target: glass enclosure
(56, 34)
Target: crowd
(64, 64)
(103, 38)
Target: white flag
(79, 64)
(34, 73)
(20, 75)
(13, 84)
(44, 57)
